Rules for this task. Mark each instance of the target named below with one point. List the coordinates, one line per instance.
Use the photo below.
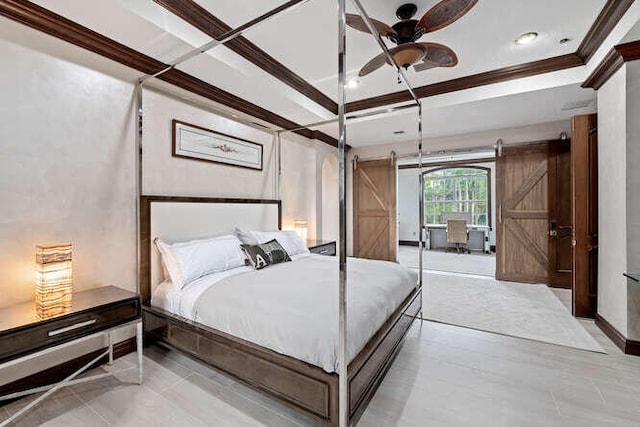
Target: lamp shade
(300, 226)
(54, 288)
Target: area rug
(473, 263)
(516, 309)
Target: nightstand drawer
(20, 341)
(328, 249)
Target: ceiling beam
(611, 63)
(44, 20)
(482, 79)
(606, 21)
(203, 20)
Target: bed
(240, 321)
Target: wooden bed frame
(295, 383)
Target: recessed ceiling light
(565, 41)
(353, 83)
(526, 38)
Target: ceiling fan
(405, 33)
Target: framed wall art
(195, 142)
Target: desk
(437, 237)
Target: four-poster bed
(337, 398)
(302, 385)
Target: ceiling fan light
(406, 57)
(526, 38)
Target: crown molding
(606, 21)
(41, 19)
(612, 62)
(197, 16)
(513, 72)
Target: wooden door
(374, 210)
(584, 161)
(522, 234)
(560, 215)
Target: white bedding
(292, 308)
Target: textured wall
(633, 197)
(67, 169)
(612, 249)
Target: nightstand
(24, 336)
(322, 247)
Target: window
(461, 189)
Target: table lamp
(300, 226)
(54, 286)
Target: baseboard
(561, 286)
(59, 372)
(627, 346)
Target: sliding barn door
(523, 213)
(374, 210)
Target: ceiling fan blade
(423, 66)
(373, 65)
(356, 21)
(438, 55)
(445, 13)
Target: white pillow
(245, 237)
(290, 241)
(188, 261)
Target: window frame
(464, 166)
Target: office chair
(457, 233)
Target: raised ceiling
(304, 40)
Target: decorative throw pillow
(265, 254)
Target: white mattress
(292, 308)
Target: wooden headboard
(186, 218)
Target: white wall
(612, 250)
(330, 217)
(633, 196)
(408, 207)
(67, 172)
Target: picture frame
(198, 143)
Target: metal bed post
(421, 204)
(354, 116)
(138, 163)
(343, 381)
(341, 119)
(278, 167)
(226, 37)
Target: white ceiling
(542, 106)
(305, 40)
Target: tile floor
(443, 376)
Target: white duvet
(292, 308)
